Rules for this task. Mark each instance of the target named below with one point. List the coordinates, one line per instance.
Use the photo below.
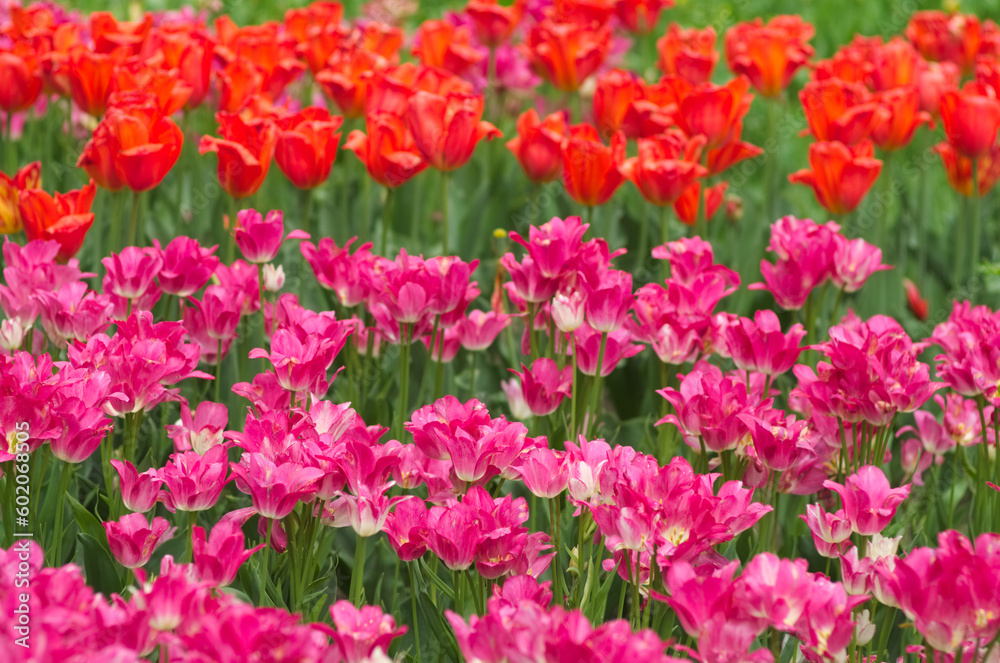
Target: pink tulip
(454, 534)
(133, 539)
(854, 260)
(406, 527)
(544, 472)
(274, 489)
(130, 274)
(194, 482)
(140, 492)
(544, 386)
(339, 270)
(829, 531)
(202, 430)
(568, 310)
(220, 311)
(29, 271)
(618, 346)
(528, 279)
(358, 632)
(554, 244)
(74, 312)
(187, 266)
(759, 345)
(259, 238)
(218, 558)
(869, 502)
(479, 329)
(608, 301)
(241, 278)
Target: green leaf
(597, 605)
(89, 524)
(102, 573)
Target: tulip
(218, 559)
(133, 539)
(244, 151)
(140, 492)
(688, 53)
(838, 111)
(898, 117)
(544, 386)
(66, 218)
(616, 91)
(769, 55)
(388, 151)
(869, 502)
(640, 17)
(609, 301)
(853, 262)
(492, 22)
(130, 273)
(194, 482)
(110, 34)
(665, 167)
(896, 64)
(941, 37)
(759, 345)
(714, 111)
(145, 144)
(187, 266)
(538, 144)
(29, 177)
(829, 531)
(203, 430)
(446, 129)
(307, 146)
(617, 346)
(590, 169)
(90, 76)
(917, 304)
(840, 175)
(971, 119)
(360, 632)
(21, 76)
(567, 53)
(348, 78)
(478, 330)
(190, 51)
(687, 206)
(933, 81)
(445, 46)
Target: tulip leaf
(441, 585)
(597, 605)
(89, 524)
(102, 574)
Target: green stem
(472, 378)
(883, 636)
(118, 209)
(413, 607)
(961, 242)
(307, 208)
(265, 563)
(65, 472)
(218, 373)
(976, 217)
(358, 572)
(557, 574)
(133, 221)
(386, 219)
(444, 212)
(404, 382)
(595, 394)
(192, 517)
(132, 422)
(572, 395)
(367, 194)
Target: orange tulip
(30, 22)
(688, 52)
(895, 64)
(567, 53)
(584, 12)
(686, 207)
(137, 75)
(616, 90)
(90, 76)
(539, 143)
(441, 44)
(55, 58)
(307, 146)
(380, 38)
(494, 23)
(971, 118)
(918, 305)
(723, 158)
(837, 110)
(840, 175)
(933, 81)
(66, 218)
(852, 63)
(898, 117)
(591, 169)
(958, 168)
(946, 38)
(21, 77)
(302, 23)
(641, 16)
(713, 111)
(244, 152)
(349, 77)
(447, 128)
(387, 151)
(665, 167)
(262, 46)
(653, 113)
(29, 177)
(769, 55)
(110, 34)
(190, 51)
(239, 82)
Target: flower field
(524, 332)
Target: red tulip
(54, 62)
(686, 207)
(90, 76)
(688, 52)
(567, 53)
(190, 51)
(21, 77)
(943, 38)
(898, 117)
(895, 64)
(852, 63)
(135, 75)
(348, 78)
(918, 305)
(590, 169)
(443, 45)
(641, 16)
(838, 111)
(840, 175)
(538, 144)
(66, 218)
(29, 177)
(714, 111)
(769, 55)
(109, 34)
(666, 166)
(262, 46)
(383, 39)
(446, 129)
(307, 146)
(616, 90)
(958, 168)
(933, 81)
(303, 22)
(584, 12)
(494, 23)
(244, 151)
(722, 159)
(971, 118)
(387, 151)
(239, 82)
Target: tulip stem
(404, 380)
(231, 244)
(133, 220)
(444, 212)
(595, 394)
(386, 218)
(883, 637)
(358, 572)
(132, 422)
(413, 607)
(192, 518)
(961, 240)
(307, 208)
(265, 562)
(472, 378)
(118, 208)
(65, 472)
(976, 218)
(218, 372)
(9, 147)
(572, 395)
(557, 575)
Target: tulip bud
(515, 399)
(274, 277)
(734, 208)
(864, 630)
(568, 310)
(11, 334)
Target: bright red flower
(852, 63)
(971, 118)
(307, 146)
(21, 76)
(946, 38)
(387, 151)
(29, 177)
(567, 53)
(918, 305)
(443, 45)
(840, 175)
(494, 23)
(688, 52)
(383, 39)
(687, 205)
(446, 129)
(722, 159)
(303, 22)
(189, 50)
(244, 151)
(348, 78)
(769, 55)
(239, 82)
(262, 46)
(616, 90)
(590, 169)
(895, 64)
(898, 117)
(136, 75)
(838, 110)
(109, 33)
(90, 76)
(933, 81)
(66, 218)
(641, 16)
(713, 111)
(142, 143)
(665, 167)
(538, 144)
(958, 168)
